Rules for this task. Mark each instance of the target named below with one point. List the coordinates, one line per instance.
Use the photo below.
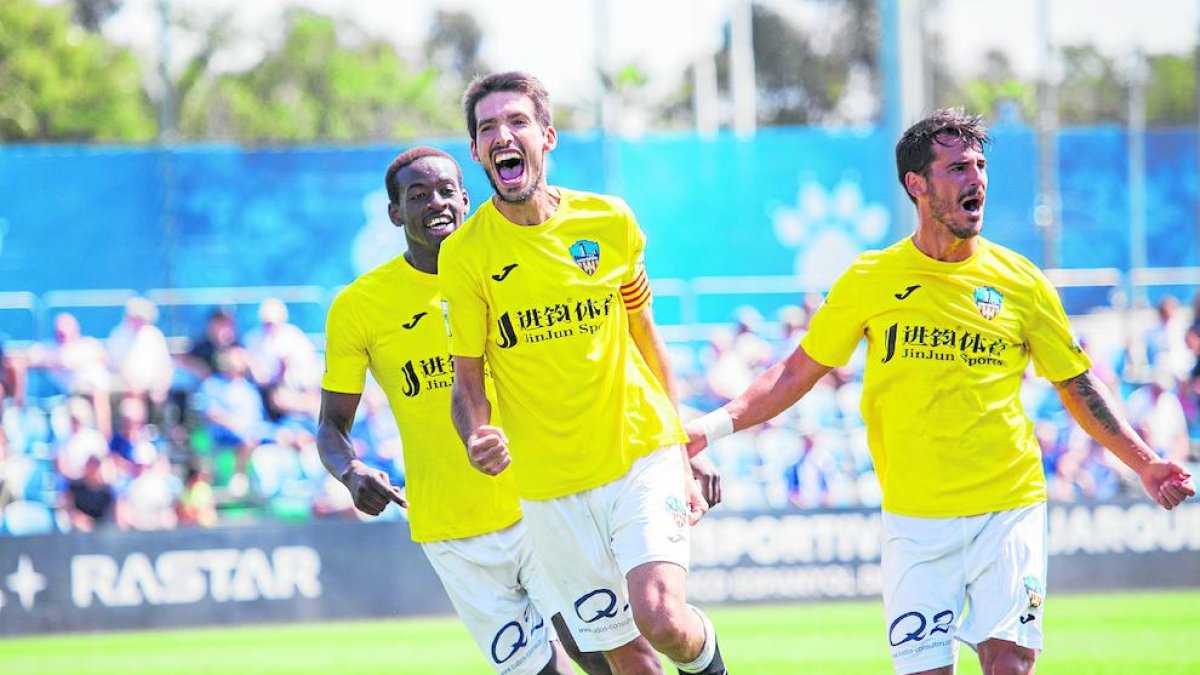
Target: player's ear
(551, 138)
(474, 152)
(915, 185)
(395, 215)
(466, 199)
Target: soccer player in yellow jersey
(951, 322)
(390, 320)
(547, 284)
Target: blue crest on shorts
(1033, 586)
(988, 300)
(587, 255)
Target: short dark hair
(914, 150)
(514, 81)
(408, 157)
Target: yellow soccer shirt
(547, 307)
(947, 346)
(391, 321)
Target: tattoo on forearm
(1097, 403)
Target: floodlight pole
(1047, 210)
(1137, 173)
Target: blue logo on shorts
(511, 639)
(598, 604)
(910, 627)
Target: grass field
(1087, 635)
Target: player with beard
(469, 525)
(548, 285)
(952, 320)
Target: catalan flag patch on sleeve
(636, 293)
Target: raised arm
(487, 447)
(370, 488)
(1090, 403)
(775, 390)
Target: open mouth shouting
(510, 167)
(972, 204)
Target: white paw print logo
(828, 229)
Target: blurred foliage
(324, 82)
(1092, 89)
(61, 83)
(1171, 90)
(803, 70)
(91, 13)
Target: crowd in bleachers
(123, 432)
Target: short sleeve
(635, 285)
(1056, 353)
(346, 355)
(837, 326)
(466, 307)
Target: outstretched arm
(370, 488)
(487, 447)
(774, 391)
(1091, 405)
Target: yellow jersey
(391, 321)
(947, 346)
(548, 307)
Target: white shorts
(496, 587)
(992, 565)
(588, 542)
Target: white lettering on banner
(772, 540)
(1113, 528)
(785, 583)
(180, 577)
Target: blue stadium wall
(792, 200)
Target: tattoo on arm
(1083, 386)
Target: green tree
(92, 13)
(1092, 90)
(61, 83)
(998, 86)
(326, 82)
(1171, 90)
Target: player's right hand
(371, 489)
(487, 449)
(1167, 482)
(697, 441)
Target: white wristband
(716, 425)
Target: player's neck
(421, 259)
(539, 208)
(939, 244)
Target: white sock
(706, 652)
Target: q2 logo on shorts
(598, 604)
(509, 640)
(914, 627)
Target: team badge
(988, 300)
(587, 255)
(1033, 586)
(675, 505)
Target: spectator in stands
(76, 365)
(133, 440)
(81, 443)
(139, 353)
(1166, 340)
(220, 332)
(12, 376)
(196, 506)
(234, 413)
(148, 501)
(1156, 412)
(91, 500)
(284, 364)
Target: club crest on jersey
(587, 255)
(988, 300)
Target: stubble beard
(944, 210)
(524, 195)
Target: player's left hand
(697, 505)
(708, 478)
(1167, 482)
(697, 441)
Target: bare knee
(1001, 657)
(665, 624)
(635, 658)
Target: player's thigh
(482, 577)
(923, 590)
(571, 541)
(1006, 584)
